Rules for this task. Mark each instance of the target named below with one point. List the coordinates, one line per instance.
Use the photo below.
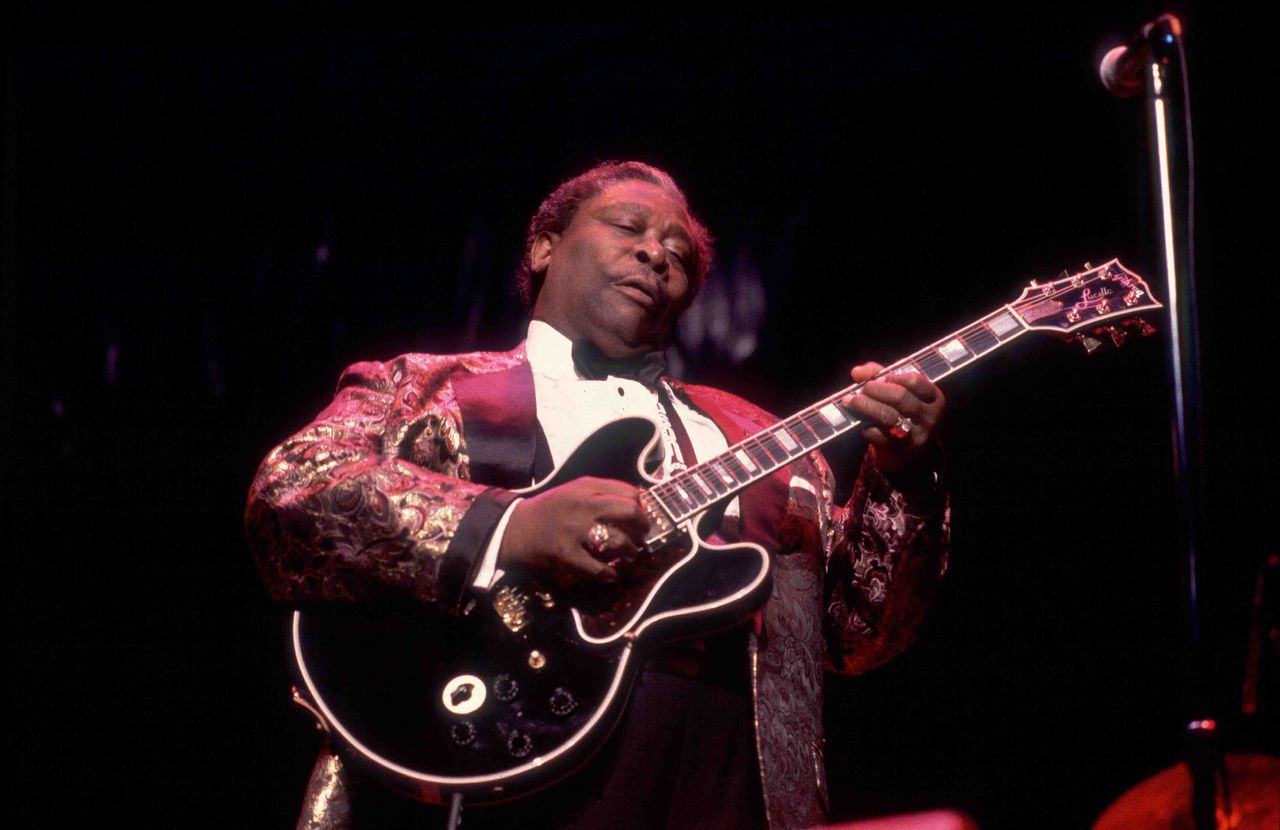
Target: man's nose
(651, 252)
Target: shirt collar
(550, 352)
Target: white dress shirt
(570, 409)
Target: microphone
(1122, 69)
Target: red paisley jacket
(380, 496)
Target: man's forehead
(641, 195)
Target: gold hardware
(536, 660)
(545, 598)
(510, 604)
(1117, 335)
(1091, 344)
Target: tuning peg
(1088, 267)
(1090, 344)
(1117, 335)
(1034, 284)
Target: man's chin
(621, 345)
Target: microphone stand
(1173, 182)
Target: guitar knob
(505, 688)
(463, 733)
(562, 702)
(519, 744)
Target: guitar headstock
(1090, 304)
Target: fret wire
(979, 339)
(806, 436)
(712, 480)
(756, 452)
(670, 493)
(736, 468)
(818, 424)
(772, 446)
(692, 488)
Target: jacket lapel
(504, 442)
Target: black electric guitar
(521, 688)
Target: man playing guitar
(408, 489)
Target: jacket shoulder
(423, 370)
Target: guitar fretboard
(686, 493)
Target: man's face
(619, 274)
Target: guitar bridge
(661, 525)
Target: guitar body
(526, 684)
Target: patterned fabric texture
(368, 499)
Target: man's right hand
(548, 532)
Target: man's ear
(540, 251)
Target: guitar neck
(685, 494)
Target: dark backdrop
(205, 222)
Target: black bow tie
(592, 365)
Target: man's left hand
(897, 445)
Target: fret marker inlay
(1002, 324)
(833, 415)
(953, 350)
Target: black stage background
(205, 223)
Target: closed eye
(681, 255)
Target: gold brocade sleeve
(367, 500)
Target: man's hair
(557, 211)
